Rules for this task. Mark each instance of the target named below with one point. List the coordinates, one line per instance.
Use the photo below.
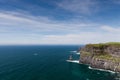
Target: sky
(59, 21)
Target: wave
(73, 61)
(102, 70)
(78, 53)
(73, 51)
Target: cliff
(104, 56)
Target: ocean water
(46, 63)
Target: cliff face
(104, 56)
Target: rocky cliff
(104, 56)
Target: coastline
(99, 68)
(102, 70)
(76, 61)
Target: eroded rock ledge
(103, 56)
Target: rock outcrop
(103, 56)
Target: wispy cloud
(17, 28)
(111, 29)
(80, 6)
(41, 24)
(81, 38)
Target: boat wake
(101, 69)
(73, 61)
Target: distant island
(103, 56)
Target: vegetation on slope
(99, 48)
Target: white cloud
(82, 38)
(111, 29)
(80, 6)
(20, 29)
(10, 21)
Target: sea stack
(104, 56)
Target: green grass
(95, 45)
(83, 53)
(113, 44)
(102, 56)
(108, 57)
(101, 45)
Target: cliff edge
(104, 56)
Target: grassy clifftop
(116, 44)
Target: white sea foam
(73, 51)
(102, 69)
(73, 61)
(78, 53)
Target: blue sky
(59, 21)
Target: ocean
(46, 62)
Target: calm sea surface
(45, 63)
